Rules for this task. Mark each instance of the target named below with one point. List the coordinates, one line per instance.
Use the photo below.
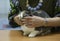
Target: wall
(4, 8)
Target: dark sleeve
(49, 6)
(14, 10)
(57, 9)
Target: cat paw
(31, 36)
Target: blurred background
(4, 9)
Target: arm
(52, 21)
(36, 21)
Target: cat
(32, 32)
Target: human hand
(34, 21)
(18, 20)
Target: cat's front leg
(33, 34)
(26, 33)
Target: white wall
(4, 6)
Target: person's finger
(28, 18)
(29, 25)
(22, 20)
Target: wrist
(48, 22)
(42, 22)
(45, 21)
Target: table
(16, 35)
